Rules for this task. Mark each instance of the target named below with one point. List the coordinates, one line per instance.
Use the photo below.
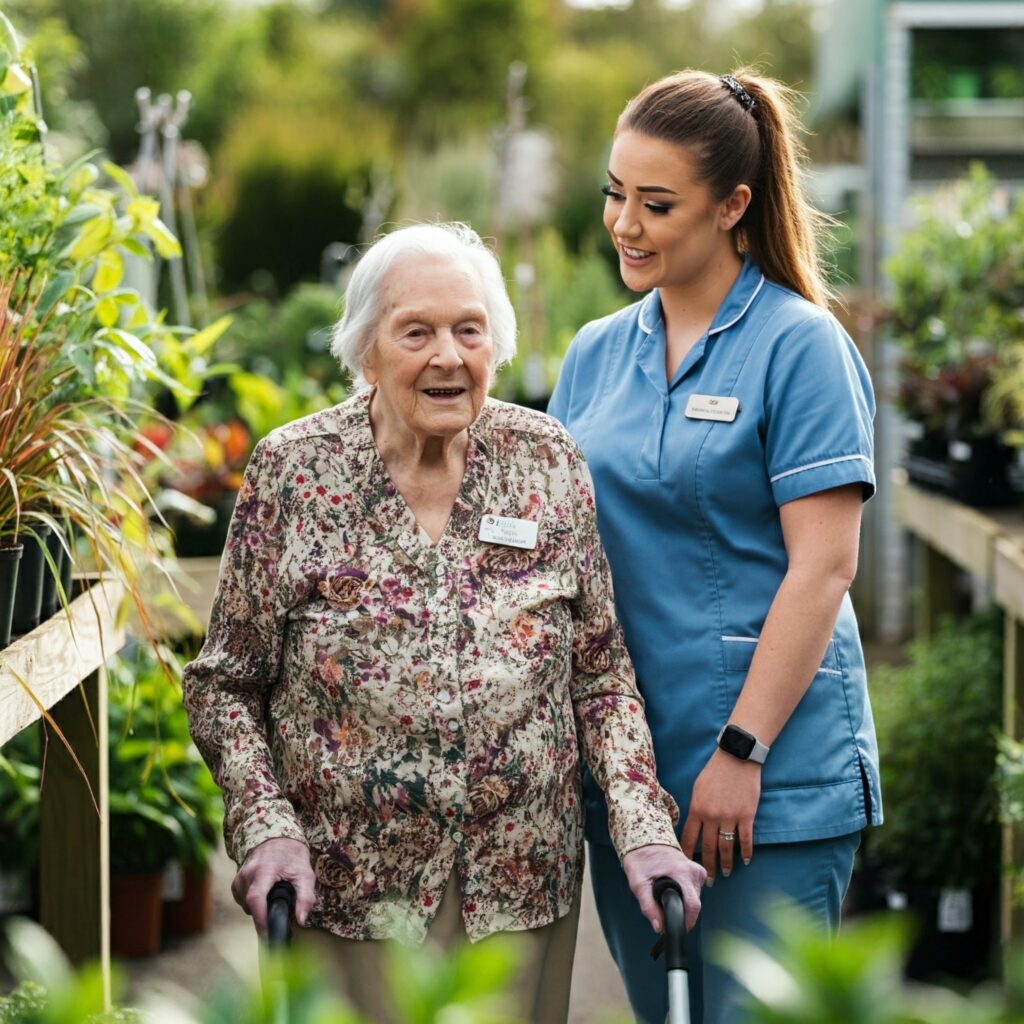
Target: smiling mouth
(635, 254)
(443, 392)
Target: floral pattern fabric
(406, 708)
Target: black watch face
(738, 743)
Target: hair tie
(746, 101)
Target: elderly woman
(412, 641)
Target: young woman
(727, 421)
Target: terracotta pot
(190, 914)
(135, 913)
(9, 560)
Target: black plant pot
(10, 559)
(67, 563)
(50, 600)
(967, 953)
(974, 471)
(28, 597)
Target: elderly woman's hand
(276, 860)
(647, 863)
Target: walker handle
(669, 894)
(280, 905)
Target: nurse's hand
(725, 799)
(644, 865)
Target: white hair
(354, 334)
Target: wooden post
(1012, 914)
(74, 866)
(936, 585)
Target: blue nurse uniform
(688, 509)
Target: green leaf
(137, 248)
(9, 45)
(202, 341)
(129, 342)
(109, 271)
(55, 289)
(107, 312)
(166, 244)
(122, 177)
(91, 239)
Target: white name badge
(514, 533)
(712, 407)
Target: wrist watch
(742, 744)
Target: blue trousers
(815, 874)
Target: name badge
(712, 407)
(514, 533)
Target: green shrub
(937, 719)
(294, 181)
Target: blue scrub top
(688, 511)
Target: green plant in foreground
(855, 978)
(463, 986)
(49, 990)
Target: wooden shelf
(57, 655)
(990, 544)
(59, 668)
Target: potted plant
(86, 351)
(957, 281)
(168, 810)
(937, 718)
(143, 832)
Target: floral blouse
(408, 708)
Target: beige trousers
(539, 992)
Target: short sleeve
(819, 412)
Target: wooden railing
(59, 667)
(990, 545)
(57, 671)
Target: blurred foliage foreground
(855, 979)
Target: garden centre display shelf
(59, 667)
(990, 545)
(62, 663)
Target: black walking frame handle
(673, 941)
(280, 906)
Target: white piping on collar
(640, 316)
(647, 330)
(739, 315)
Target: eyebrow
(412, 315)
(644, 188)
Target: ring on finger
(727, 836)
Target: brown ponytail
(734, 142)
